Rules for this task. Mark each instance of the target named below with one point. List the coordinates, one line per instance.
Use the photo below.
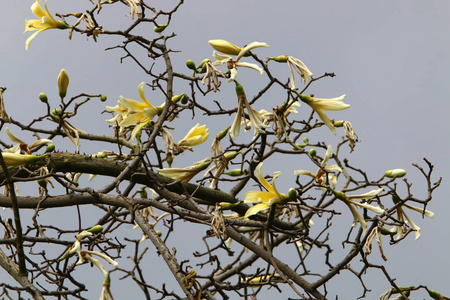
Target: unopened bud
(306, 140)
(236, 172)
(160, 28)
(338, 123)
(222, 134)
(42, 182)
(43, 97)
(190, 64)
(280, 59)
(103, 98)
(312, 152)
(50, 148)
(225, 47)
(158, 233)
(395, 173)
(228, 205)
(180, 97)
(96, 229)
(63, 83)
(292, 194)
(435, 294)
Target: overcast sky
(391, 58)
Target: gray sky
(390, 58)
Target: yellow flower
(264, 199)
(138, 113)
(349, 200)
(319, 105)
(185, 174)
(14, 159)
(196, 136)
(45, 21)
(319, 176)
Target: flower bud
(190, 64)
(395, 173)
(306, 140)
(160, 28)
(435, 294)
(236, 172)
(292, 194)
(312, 152)
(230, 155)
(63, 83)
(338, 123)
(297, 146)
(280, 59)
(228, 205)
(158, 233)
(180, 97)
(42, 182)
(222, 134)
(50, 148)
(43, 97)
(340, 195)
(103, 98)
(96, 229)
(225, 47)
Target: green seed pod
(43, 97)
(312, 152)
(103, 98)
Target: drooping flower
(45, 21)
(185, 174)
(349, 200)
(294, 64)
(264, 199)
(404, 218)
(233, 63)
(133, 112)
(255, 118)
(319, 176)
(196, 136)
(319, 105)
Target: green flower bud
(202, 66)
(160, 28)
(180, 97)
(396, 199)
(159, 233)
(385, 231)
(338, 123)
(222, 134)
(228, 205)
(50, 148)
(297, 146)
(435, 294)
(95, 229)
(190, 64)
(395, 173)
(312, 152)
(235, 172)
(103, 98)
(143, 193)
(292, 194)
(63, 83)
(43, 97)
(280, 59)
(230, 155)
(306, 140)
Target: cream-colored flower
(233, 63)
(264, 199)
(296, 65)
(185, 174)
(404, 218)
(45, 21)
(319, 105)
(196, 136)
(255, 118)
(319, 176)
(23, 148)
(349, 200)
(138, 113)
